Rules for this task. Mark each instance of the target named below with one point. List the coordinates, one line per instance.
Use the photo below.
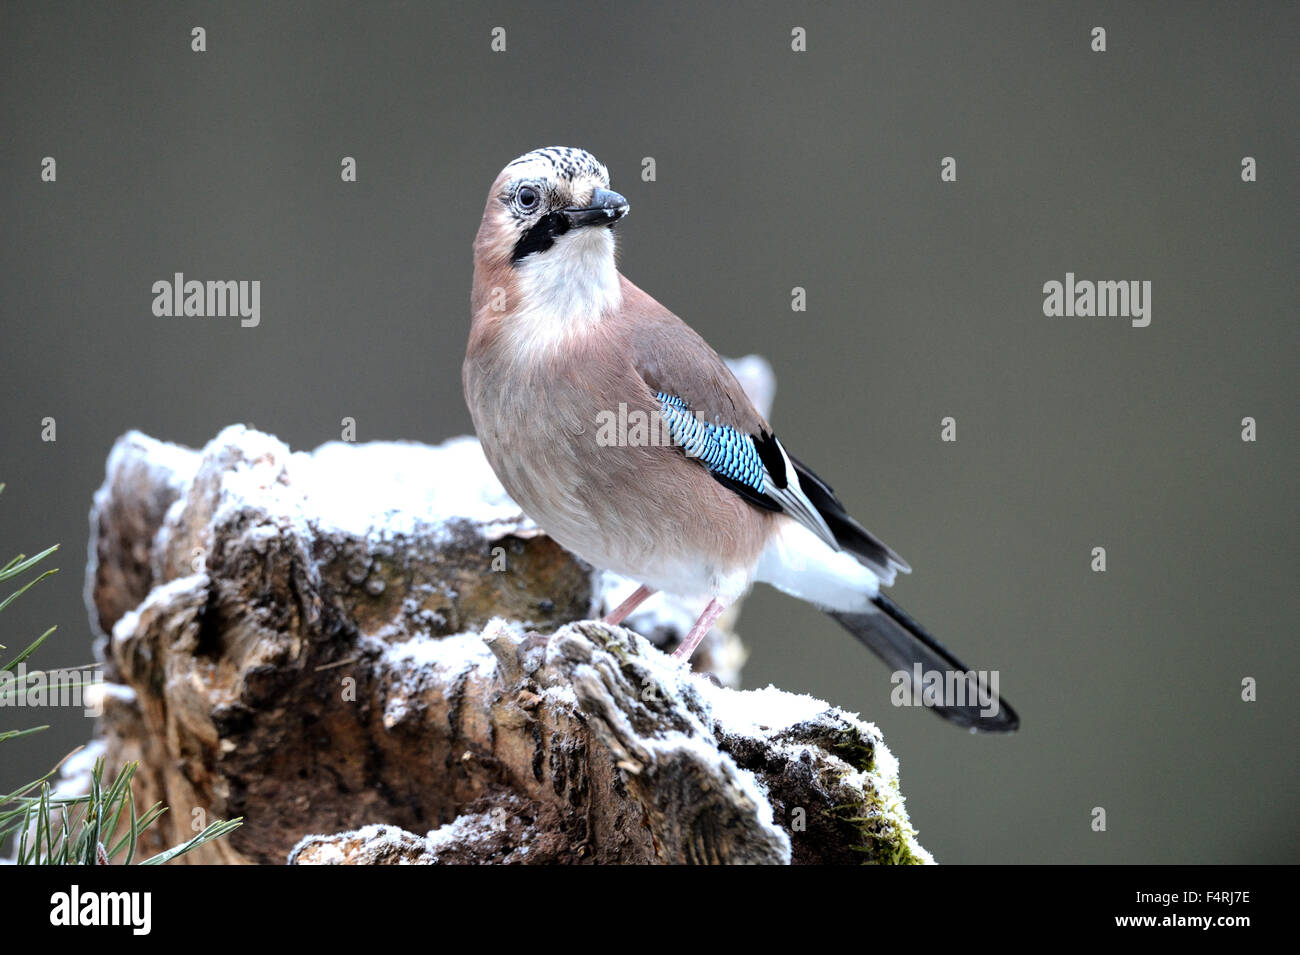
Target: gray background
(774, 170)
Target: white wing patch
(795, 502)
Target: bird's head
(550, 202)
(547, 237)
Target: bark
(371, 643)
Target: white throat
(566, 289)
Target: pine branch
(54, 829)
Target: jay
(560, 337)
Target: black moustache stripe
(541, 236)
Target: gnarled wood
(370, 642)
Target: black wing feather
(849, 534)
(757, 498)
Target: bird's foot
(621, 612)
(702, 626)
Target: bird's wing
(754, 465)
(711, 418)
(849, 534)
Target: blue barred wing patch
(723, 450)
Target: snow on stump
(370, 655)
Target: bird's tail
(946, 686)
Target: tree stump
(371, 656)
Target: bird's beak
(606, 208)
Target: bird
(560, 340)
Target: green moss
(882, 832)
(881, 841)
(844, 741)
(849, 746)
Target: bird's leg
(621, 612)
(702, 626)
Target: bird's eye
(527, 198)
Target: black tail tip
(974, 707)
(962, 696)
(1002, 719)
